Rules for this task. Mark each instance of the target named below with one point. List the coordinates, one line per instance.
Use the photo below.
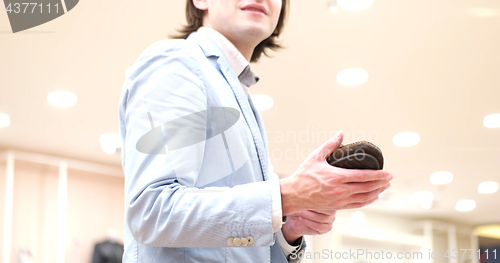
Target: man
(198, 182)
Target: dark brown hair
(194, 17)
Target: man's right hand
(316, 185)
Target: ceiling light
(352, 76)
(441, 178)
(428, 205)
(262, 102)
(4, 120)
(108, 150)
(465, 205)
(492, 121)
(354, 4)
(62, 98)
(406, 139)
(422, 197)
(487, 187)
(110, 142)
(333, 7)
(484, 12)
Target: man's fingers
(326, 212)
(355, 176)
(318, 227)
(365, 187)
(364, 197)
(329, 146)
(317, 217)
(358, 205)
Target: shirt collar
(238, 63)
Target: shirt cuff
(285, 247)
(277, 218)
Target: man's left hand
(307, 223)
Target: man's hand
(307, 223)
(318, 186)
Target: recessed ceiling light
(108, 150)
(352, 76)
(62, 98)
(354, 4)
(483, 12)
(441, 178)
(492, 121)
(333, 7)
(4, 120)
(262, 102)
(406, 139)
(487, 187)
(428, 205)
(110, 142)
(465, 205)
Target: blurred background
(420, 79)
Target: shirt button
(230, 241)
(250, 240)
(244, 241)
(236, 242)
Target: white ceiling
(433, 67)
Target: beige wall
(34, 222)
(2, 204)
(94, 205)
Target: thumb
(329, 146)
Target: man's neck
(244, 47)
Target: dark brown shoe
(358, 155)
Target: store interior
(427, 96)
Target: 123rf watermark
(367, 254)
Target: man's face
(240, 20)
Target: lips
(255, 8)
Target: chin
(256, 30)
